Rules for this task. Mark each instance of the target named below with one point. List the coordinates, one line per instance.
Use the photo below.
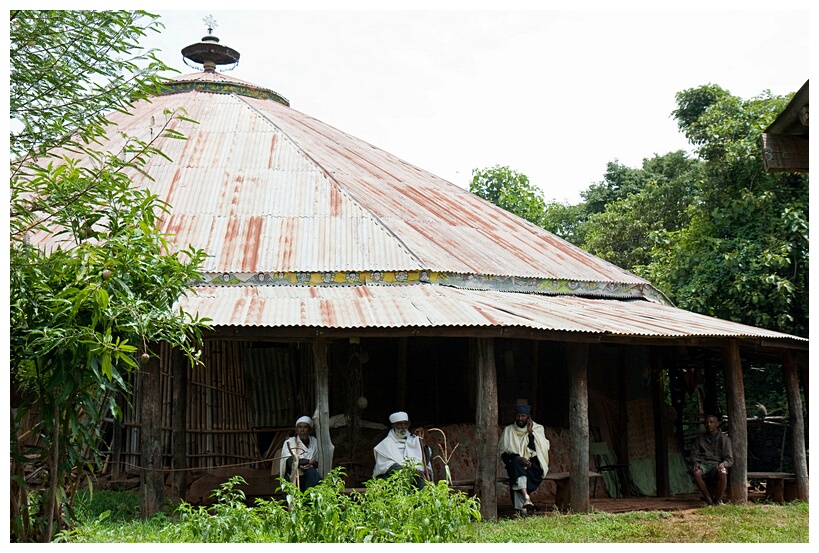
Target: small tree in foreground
(92, 279)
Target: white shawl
(298, 447)
(394, 450)
(516, 440)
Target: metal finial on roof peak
(208, 52)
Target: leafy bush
(116, 506)
(390, 510)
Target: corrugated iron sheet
(393, 306)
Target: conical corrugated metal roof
(265, 188)
(279, 198)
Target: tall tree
(93, 281)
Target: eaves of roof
(433, 306)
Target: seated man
(398, 446)
(711, 457)
(303, 447)
(525, 454)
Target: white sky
(553, 93)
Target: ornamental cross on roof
(210, 22)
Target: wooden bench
(775, 483)
(561, 479)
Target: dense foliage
(93, 281)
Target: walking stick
(294, 476)
(424, 455)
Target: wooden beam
(486, 428)
(179, 382)
(783, 152)
(577, 356)
(797, 424)
(307, 334)
(321, 417)
(737, 422)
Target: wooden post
(797, 424)
(151, 482)
(179, 368)
(737, 422)
(662, 478)
(486, 428)
(116, 444)
(622, 420)
(321, 417)
(577, 356)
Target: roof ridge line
(335, 182)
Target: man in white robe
(525, 454)
(303, 447)
(398, 446)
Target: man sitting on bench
(711, 457)
(525, 454)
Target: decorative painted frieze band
(548, 286)
(174, 87)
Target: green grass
(112, 517)
(751, 523)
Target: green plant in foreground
(394, 512)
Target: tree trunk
(737, 423)
(577, 355)
(797, 424)
(152, 482)
(486, 428)
(321, 417)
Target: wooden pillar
(797, 424)
(577, 356)
(737, 422)
(662, 477)
(152, 481)
(486, 428)
(622, 448)
(321, 417)
(179, 368)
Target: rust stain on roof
(253, 234)
(270, 158)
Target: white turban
(306, 419)
(399, 416)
